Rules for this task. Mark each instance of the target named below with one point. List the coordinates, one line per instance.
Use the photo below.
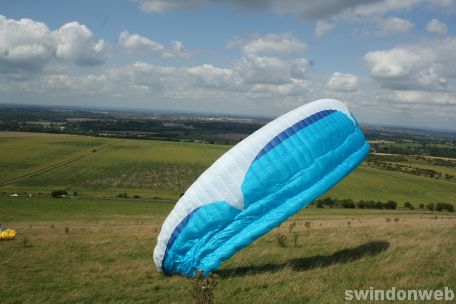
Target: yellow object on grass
(7, 234)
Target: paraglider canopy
(258, 184)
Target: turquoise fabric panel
(279, 183)
(303, 158)
(197, 237)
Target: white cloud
(322, 27)
(424, 98)
(270, 44)
(74, 42)
(211, 88)
(211, 76)
(437, 27)
(394, 25)
(27, 45)
(417, 83)
(263, 70)
(381, 8)
(416, 67)
(136, 44)
(392, 64)
(296, 87)
(343, 82)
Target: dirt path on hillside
(62, 163)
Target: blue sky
(392, 62)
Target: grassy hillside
(106, 256)
(375, 184)
(107, 167)
(23, 154)
(98, 249)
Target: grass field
(95, 248)
(441, 169)
(158, 169)
(106, 256)
(22, 155)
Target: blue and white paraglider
(258, 184)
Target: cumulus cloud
(270, 44)
(265, 70)
(394, 25)
(210, 76)
(135, 44)
(322, 27)
(296, 87)
(209, 87)
(424, 98)
(417, 67)
(27, 45)
(250, 75)
(343, 82)
(437, 27)
(74, 42)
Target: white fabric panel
(222, 181)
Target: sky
(391, 62)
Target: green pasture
(25, 154)
(164, 169)
(96, 248)
(99, 251)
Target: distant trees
(370, 204)
(326, 201)
(349, 203)
(390, 205)
(444, 206)
(417, 147)
(399, 163)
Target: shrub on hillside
(390, 205)
(408, 205)
(361, 204)
(326, 201)
(347, 203)
(379, 205)
(59, 193)
(444, 206)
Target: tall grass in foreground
(107, 256)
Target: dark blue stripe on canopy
(292, 130)
(175, 234)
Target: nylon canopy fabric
(258, 184)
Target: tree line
(328, 202)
